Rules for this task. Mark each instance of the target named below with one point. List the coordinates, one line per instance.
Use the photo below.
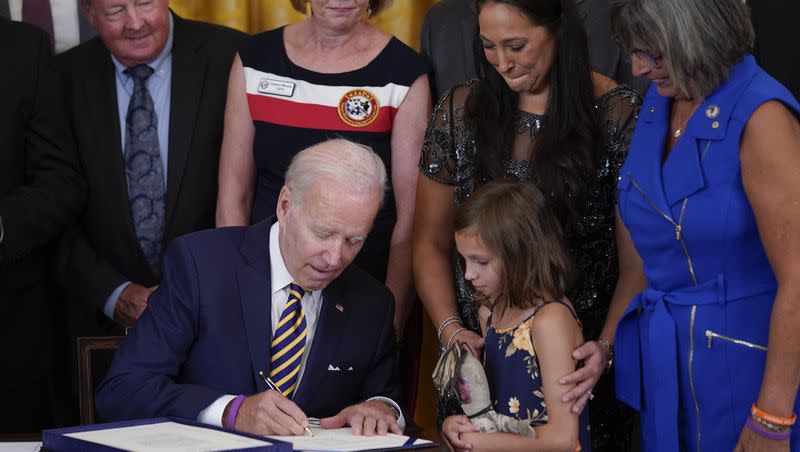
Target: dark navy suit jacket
(206, 333)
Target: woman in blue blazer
(707, 307)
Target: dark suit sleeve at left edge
(85, 276)
(382, 379)
(144, 379)
(54, 189)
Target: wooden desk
(19, 437)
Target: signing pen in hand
(275, 387)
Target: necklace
(681, 124)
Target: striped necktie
(289, 342)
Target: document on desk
(20, 447)
(343, 440)
(167, 437)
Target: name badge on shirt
(277, 87)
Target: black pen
(275, 387)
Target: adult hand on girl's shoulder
(452, 428)
(595, 358)
(749, 441)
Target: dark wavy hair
(516, 222)
(565, 151)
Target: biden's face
(135, 31)
(322, 233)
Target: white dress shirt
(311, 303)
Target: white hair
(350, 165)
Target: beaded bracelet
(769, 425)
(778, 436)
(777, 420)
(454, 335)
(447, 321)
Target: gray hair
(350, 165)
(700, 40)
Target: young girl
(519, 270)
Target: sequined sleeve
(592, 242)
(445, 138)
(619, 109)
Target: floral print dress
(513, 372)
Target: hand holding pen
(270, 413)
(274, 387)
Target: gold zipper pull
(709, 335)
(678, 232)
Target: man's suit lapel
(327, 340)
(189, 64)
(255, 291)
(100, 93)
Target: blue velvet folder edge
(56, 441)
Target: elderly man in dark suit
(278, 300)
(146, 100)
(41, 193)
(449, 30)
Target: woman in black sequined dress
(537, 114)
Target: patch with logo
(359, 108)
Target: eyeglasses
(648, 58)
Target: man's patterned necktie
(289, 343)
(143, 168)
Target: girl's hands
(452, 428)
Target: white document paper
(168, 437)
(20, 447)
(343, 440)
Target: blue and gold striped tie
(289, 342)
